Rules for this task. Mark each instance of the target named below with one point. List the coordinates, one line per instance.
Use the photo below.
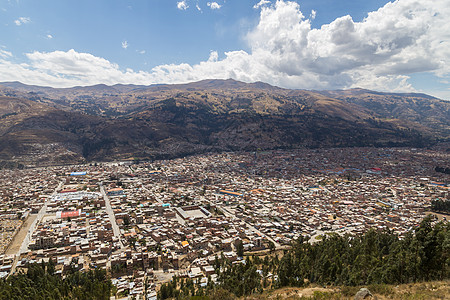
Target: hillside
(418, 108)
(32, 132)
(423, 290)
(336, 267)
(122, 121)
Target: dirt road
(15, 244)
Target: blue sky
(320, 44)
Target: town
(146, 222)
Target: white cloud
(198, 7)
(141, 51)
(213, 56)
(399, 39)
(69, 63)
(261, 4)
(182, 5)
(380, 52)
(214, 5)
(22, 20)
(124, 44)
(5, 54)
(313, 14)
(49, 36)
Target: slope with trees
(373, 258)
(41, 282)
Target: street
(110, 213)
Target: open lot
(18, 239)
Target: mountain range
(43, 125)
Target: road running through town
(110, 212)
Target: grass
(413, 291)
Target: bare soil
(15, 244)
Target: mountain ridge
(213, 83)
(115, 122)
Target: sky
(394, 46)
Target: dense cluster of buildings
(146, 222)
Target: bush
(349, 291)
(382, 289)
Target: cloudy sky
(398, 46)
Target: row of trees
(40, 282)
(440, 205)
(372, 258)
(442, 170)
(376, 257)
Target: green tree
(271, 246)
(240, 248)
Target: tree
(216, 264)
(132, 242)
(240, 248)
(40, 282)
(375, 257)
(271, 246)
(440, 205)
(51, 267)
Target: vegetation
(373, 258)
(376, 258)
(440, 205)
(240, 248)
(442, 170)
(40, 282)
(423, 290)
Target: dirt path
(15, 244)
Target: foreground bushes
(40, 282)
